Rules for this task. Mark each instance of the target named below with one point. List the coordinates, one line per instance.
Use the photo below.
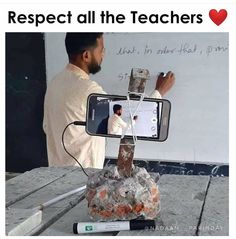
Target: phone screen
(146, 120)
(109, 116)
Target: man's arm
(163, 85)
(95, 88)
(122, 123)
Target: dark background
(25, 90)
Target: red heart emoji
(218, 17)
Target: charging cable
(62, 140)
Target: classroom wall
(199, 117)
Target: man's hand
(164, 84)
(135, 117)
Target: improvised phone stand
(124, 192)
(137, 84)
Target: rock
(112, 197)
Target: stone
(138, 80)
(113, 197)
(125, 157)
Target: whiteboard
(199, 118)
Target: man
(66, 101)
(116, 125)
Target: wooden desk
(190, 205)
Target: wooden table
(190, 205)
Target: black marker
(162, 73)
(93, 227)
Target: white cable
(131, 120)
(57, 199)
(142, 95)
(140, 101)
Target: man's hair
(77, 43)
(116, 107)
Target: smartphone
(115, 115)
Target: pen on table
(93, 227)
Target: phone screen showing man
(146, 118)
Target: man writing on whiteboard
(116, 125)
(66, 101)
